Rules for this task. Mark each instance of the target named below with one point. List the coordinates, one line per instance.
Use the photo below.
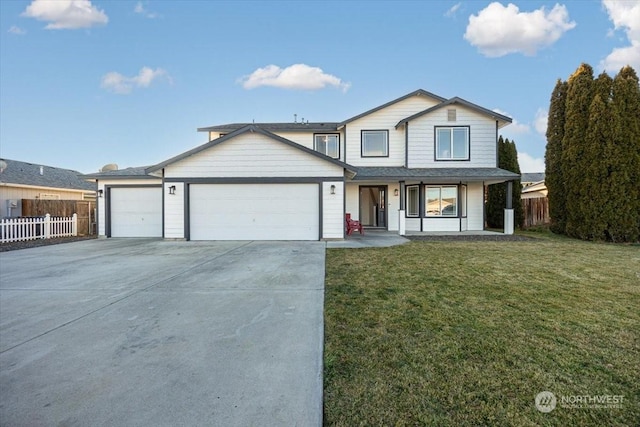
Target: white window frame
(363, 143)
(451, 130)
(409, 213)
(317, 147)
(439, 199)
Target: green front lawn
(468, 333)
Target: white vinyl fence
(46, 227)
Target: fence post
(74, 225)
(47, 226)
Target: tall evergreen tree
(497, 193)
(595, 179)
(579, 97)
(553, 157)
(623, 211)
(496, 196)
(516, 195)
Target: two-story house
(417, 163)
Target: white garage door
(136, 212)
(254, 212)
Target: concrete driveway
(160, 333)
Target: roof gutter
(39, 187)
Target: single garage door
(136, 212)
(254, 212)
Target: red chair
(353, 225)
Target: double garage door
(254, 212)
(223, 212)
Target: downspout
(406, 145)
(497, 148)
(163, 203)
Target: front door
(373, 206)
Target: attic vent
(451, 115)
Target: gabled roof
(134, 172)
(249, 128)
(457, 100)
(277, 127)
(22, 173)
(418, 92)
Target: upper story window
(452, 143)
(375, 143)
(327, 144)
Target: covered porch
(429, 200)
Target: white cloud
(140, 9)
(123, 85)
(625, 16)
(529, 163)
(499, 30)
(66, 14)
(515, 127)
(540, 121)
(297, 76)
(452, 11)
(17, 30)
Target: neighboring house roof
(457, 100)
(134, 172)
(449, 174)
(532, 177)
(249, 128)
(277, 127)
(418, 92)
(35, 175)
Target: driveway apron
(162, 333)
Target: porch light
(333, 189)
(172, 189)
(100, 192)
(395, 192)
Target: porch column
(508, 212)
(401, 219)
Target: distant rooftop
(133, 172)
(23, 173)
(282, 127)
(532, 177)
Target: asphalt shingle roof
(532, 177)
(281, 127)
(444, 174)
(24, 173)
(134, 172)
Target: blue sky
(84, 83)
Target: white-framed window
(442, 201)
(375, 143)
(413, 201)
(327, 144)
(452, 143)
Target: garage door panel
(254, 212)
(136, 212)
